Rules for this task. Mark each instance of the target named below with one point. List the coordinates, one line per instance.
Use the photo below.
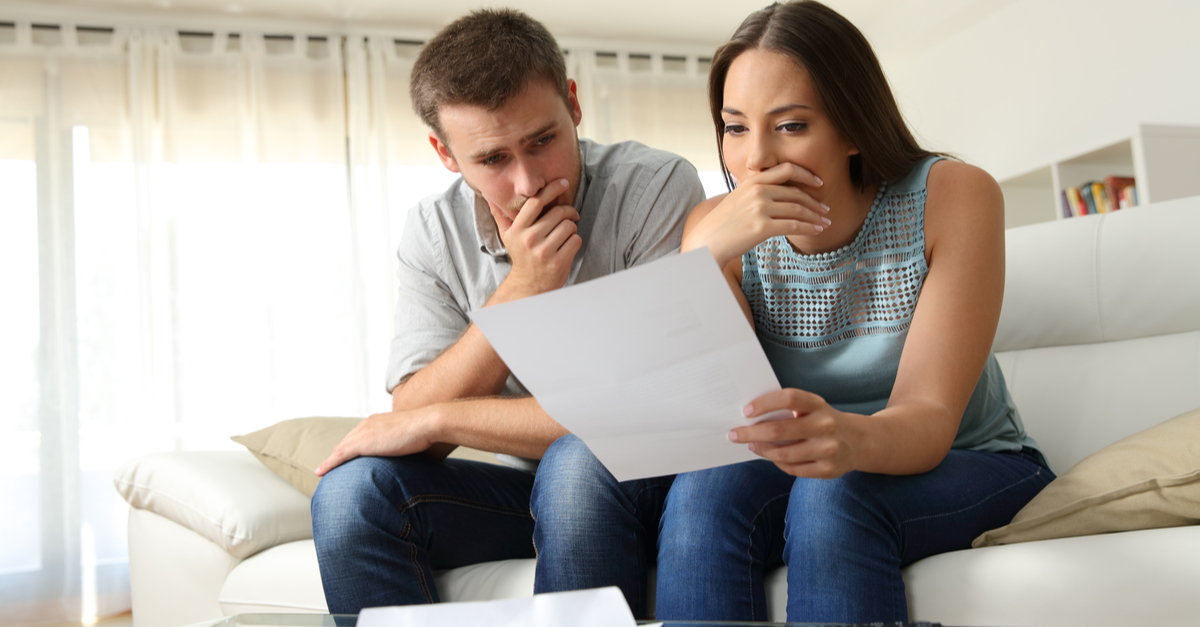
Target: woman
(873, 272)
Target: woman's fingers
(788, 173)
(798, 401)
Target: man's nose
(528, 180)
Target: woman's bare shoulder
(961, 199)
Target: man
(536, 209)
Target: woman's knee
(720, 505)
(834, 512)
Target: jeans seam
(980, 501)
(434, 498)
(750, 545)
(412, 557)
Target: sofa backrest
(1099, 337)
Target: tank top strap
(917, 178)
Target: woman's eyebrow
(776, 111)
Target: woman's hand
(770, 203)
(818, 441)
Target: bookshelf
(1164, 159)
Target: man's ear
(573, 99)
(443, 152)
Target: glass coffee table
(349, 620)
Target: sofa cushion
(294, 448)
(281, 579)
(1101, 278)
(224, 496)
(1148, 480)
(1111, 580)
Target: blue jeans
(591, 530)
(845, 540)
(382, 525)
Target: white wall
(1039, 80)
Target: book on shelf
(1116, 187)
(1114, 193)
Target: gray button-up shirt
(632, 202)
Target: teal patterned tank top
(834, 324)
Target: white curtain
(197, 237)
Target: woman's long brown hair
(847, 77)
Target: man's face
(510, 154)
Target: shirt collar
(486, 231)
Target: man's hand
(540, 244)
(384, 435)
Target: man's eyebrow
(538, 133)
(487, 152)
(775, 111)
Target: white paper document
(650, 367)
(602, 607)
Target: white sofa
(1099, 339)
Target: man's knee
(572, 484)
(359, 493)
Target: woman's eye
(793, 127)
(734, 129)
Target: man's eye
(542, 141)
(492, 160)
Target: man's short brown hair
(483, 59)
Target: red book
(1113, 185)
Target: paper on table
(602, 607)
(651, 367)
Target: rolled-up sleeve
(429, 315)
(663, 206)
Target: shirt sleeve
(665, 202)
(430, 316)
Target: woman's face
(772, 116)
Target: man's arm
(516, 426)
(663, 209)
(541, 248)
(451, 400)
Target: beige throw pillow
(1148, 480)
(294, 448)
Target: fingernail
(825, 206)
(819, 181)
(827, 221)
(733, 436)
(751, 447)
(564, 182)
(748, 410)
(818, 228)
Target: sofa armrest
(227, 497)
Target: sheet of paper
(651, 367)
(602, 607)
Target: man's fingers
(533, 207)
(338, 457)
(502, 220)
(561, 233)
